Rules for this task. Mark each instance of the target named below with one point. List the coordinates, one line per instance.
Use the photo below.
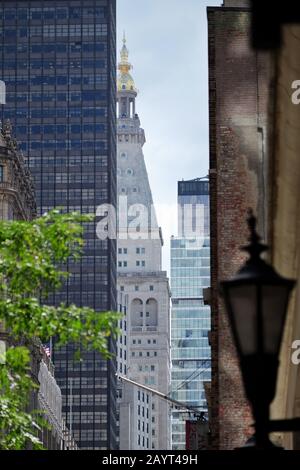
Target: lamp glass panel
(274, 305)
(242, 300)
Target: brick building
(240, 85)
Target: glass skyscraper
(58, 63)
(190, 318)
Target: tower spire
(125, 80)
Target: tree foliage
(33, 263)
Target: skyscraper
(144, 418)
(58, 63)
(190, 318)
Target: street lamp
(256, 300)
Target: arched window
(137, 313)
(151, 312)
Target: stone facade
(17, 202)
(16, 184)
(240, 85)
(144, 418)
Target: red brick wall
(239, 88)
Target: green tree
(33, 258)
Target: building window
(143, 263)
(151, 287)
(1, 173)
(136, 288)
(137, 263)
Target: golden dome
(125, 80)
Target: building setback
(58, 63)
(190, 317)
(240, 81)
(144, 419)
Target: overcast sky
(167, 42)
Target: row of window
(63, 178)
(59, 30)
(80, 160)
(78, 278)
(48, 13)
(190, 263)
(138, 263)
(187, 292)
(186, 253)
(142, 441)
(89, 435)
(188, 353)
(146, 368)
(190, 282)
(84, 112)
(100, 145)
(186, 323)
(60, 96)
(142, 427)
(82, 298)
(78, 46)
(138, 250)
(190, 272)
(86, 417)
(144, 354)
(64, 195)
(142, 412)
(62, 129)
(142, 396)
(128, 172)
(139, 341)
(137, 288)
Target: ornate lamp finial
(255, 248)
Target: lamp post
(256, 299)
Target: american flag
(47, 350)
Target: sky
(167, 43)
